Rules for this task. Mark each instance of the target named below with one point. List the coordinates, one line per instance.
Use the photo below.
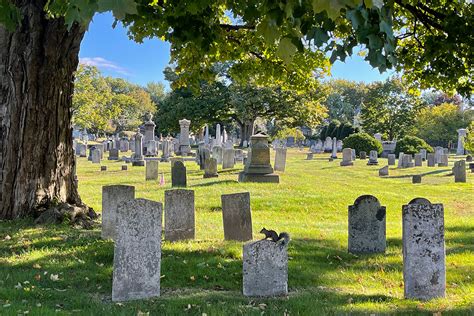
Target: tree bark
(37, 64)
(246, 130)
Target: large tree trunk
(37, 64)
(246, 130)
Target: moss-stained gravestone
(112, 197)
(366, 226)
(424, 256)
(179, 214)
(237, 216)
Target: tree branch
(232, 27)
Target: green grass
(205, 275)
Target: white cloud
(104, 64)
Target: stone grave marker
(178, 175)
(366, 226)
(151, 172)
(459, 171)
(346, 157)
(430, 157)
(237, 216)
(443, 160)
(373, 158)
(113, 154)
(228, 159)
(210, 168)
(179, 214)
(95, 155)
(391, 159)
(383, 171)
(124, 167)
(137, 251)
(418, 160)
(103, 168)
(363, 155)
(400, 160)
(112, 197)
(309, 156)
(416, 178)
(280, 159)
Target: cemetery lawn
(63, 270)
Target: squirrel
(283, 238)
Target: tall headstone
(137, 251)
(218, 153)
(218, 141)
(334, 148)
(124, 144)
(236, 215)
(373, 158)
(424, 256)
(339, 145)
(179, 214)
(149, 141)
(137, 158)
(228, 158)
(184, 146)
(166, 150)
(151, 170)
(366, 226)
(280, 159)
(400, 160)
(354, 156)
(423, 153)
(459, 171)
(418, 160)
(407, 161)
(391, 159)
(206, 135)
(438, 152)
(210, 168)
(430, 157)
(443, 160)
(328, 144)
(178, 175)
(112, 197)
(347, 157)
(461, 135)
(265, 269)
(258, 167)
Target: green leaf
(269, 30)
(320, 37)
(356, 18)
(119, 7)
(9, 15)
(386, 28)
(286, 50)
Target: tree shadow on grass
(421, 174)
(207, 184)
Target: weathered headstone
(280, 159)
(258, 167)
(137, 251)
(468, 158)
(391, 159)
(462, 132)
(95, 155)
(424, 256)
(362, 155)
(430, 157)
(113, 154)
(383, 171)
(228, 158)
(416, 178)
(366, 226)
(124, 167)
(353, 152)
(459, 171)
(407, 161)
(309, 156)
(265, 269)
(210, 168)
(418, 160)
(334, 148)
(443, 160)
(179, 214)
(420, 200)
(137, 157)
(423, 154)
(218, 153)
(151, 170)
(112, 196)
(103, 168)
(124, 145)
(237, 216)
(184, 145)
(178, 175)
(346, 157)
(400, 160)
(373, 156)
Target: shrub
(411, 145)
(362, 142)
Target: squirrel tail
(284, 239)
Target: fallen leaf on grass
(36, 266)
(7, 237)
(54, 277)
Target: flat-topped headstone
(210, 168)
(103, 168)
(459, 171)
(137, 251)
(424, 256)
(179, 214)
(309, 156)
(124, 167)
(178, 175)
(346, 157)
(95, 155)
(228, 158)
(400, 160)
(443, 160)
(363, 155)
(280, 159)
(366, 226)
(151, 170)
(237, 216)
(112, 197)
(373, 158)
(416, 178)
(407, 161)
(430, 157)
(391, 159)
(418, 160)
(265, 269)
(113, 154)
(353, 154)
(383, 171)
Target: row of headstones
(136, 225)
(458, 170)
(424, 266)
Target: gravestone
(366, 226)
(459, 171)
(265, 269)
(228, 159)
(210, 168)
(175, 159)
(334, 148)
(416, 178)
(137, 158)
(373, 158)
(103, 168)
(113, 154)
(420, 201)
(178, 175)
(430, 157)
(237, 216)
(363, 155)
(166, 150)
(179, 214)
(353, 152)
(383, 171)
(443, 160)
(424, 256)
(258, 167)
(423, 153)
(95, 155)
(339, 145)
(112, 197)
(418, 160)
(391, 159)
(400, 160)
(81, 150)
(328, 144)
(309, 156)
(347, 157)
(462, 132)
(124, 167)
(124, 145)
(407, 161)
(468, 158)
(137, 251)
(217, 153)
(438, 153)
(280, 159)
(151, 170)
(184, 145)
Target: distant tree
(469, 140)
(438, 125)
(389, 108)
(437, 98)
(344, 99)
(338, 130)
(156, 91)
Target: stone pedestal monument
(149, 144)
(184, 146)
(137, 157)
(258, 167)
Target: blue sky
(116, 55)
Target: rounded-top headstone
(420, 200)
